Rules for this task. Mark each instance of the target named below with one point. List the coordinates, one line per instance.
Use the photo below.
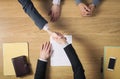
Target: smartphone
(111, 64)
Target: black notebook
(21, 66)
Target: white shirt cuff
(42, 60)
(56, 2)
(46, 27)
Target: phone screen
(111, 63)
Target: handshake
(45, 52)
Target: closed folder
(21, 66)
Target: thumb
(49, 13)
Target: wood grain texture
(90, 34)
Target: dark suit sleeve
(31, 11)
(75, 62)
(96, 2)
(40, 70)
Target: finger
(56, 17)
(49, 13)
(48, 45)
(87, 9)
(53, 20)
(49, 48)
(58, 35)
(51, 52)
(54, 38)
(42, 46)
(65, 38)
(85, 13)
(52, 17)
(45, 46)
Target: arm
(56, 2)
(40, 70)
(96, 2)
(42, 62)
(31, 11)
(78, 1)
(76, 64)
(55, 11)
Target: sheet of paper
(11, 50)
(59, 57)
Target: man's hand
(45, 52)
(55, 12)
(61, 39)
(54, 34)
(92, 8)
(85, 11)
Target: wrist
(56, 2)
(56, 5)
(93, 5)
(49, 31)
(80, 4)
(43, 59)
(65, 44)
(46, 27)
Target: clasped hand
(86, 10)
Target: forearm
(72, 57)
(40, 70)
(75, 62)
(96, 2)
(78, 1)
(56, 2)
(31, 11)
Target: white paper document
(59, 57)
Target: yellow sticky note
(11, 50)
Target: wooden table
(90, 34)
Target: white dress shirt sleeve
(43, 60)
(56, 2)
(46, 27)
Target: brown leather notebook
(21, 66)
